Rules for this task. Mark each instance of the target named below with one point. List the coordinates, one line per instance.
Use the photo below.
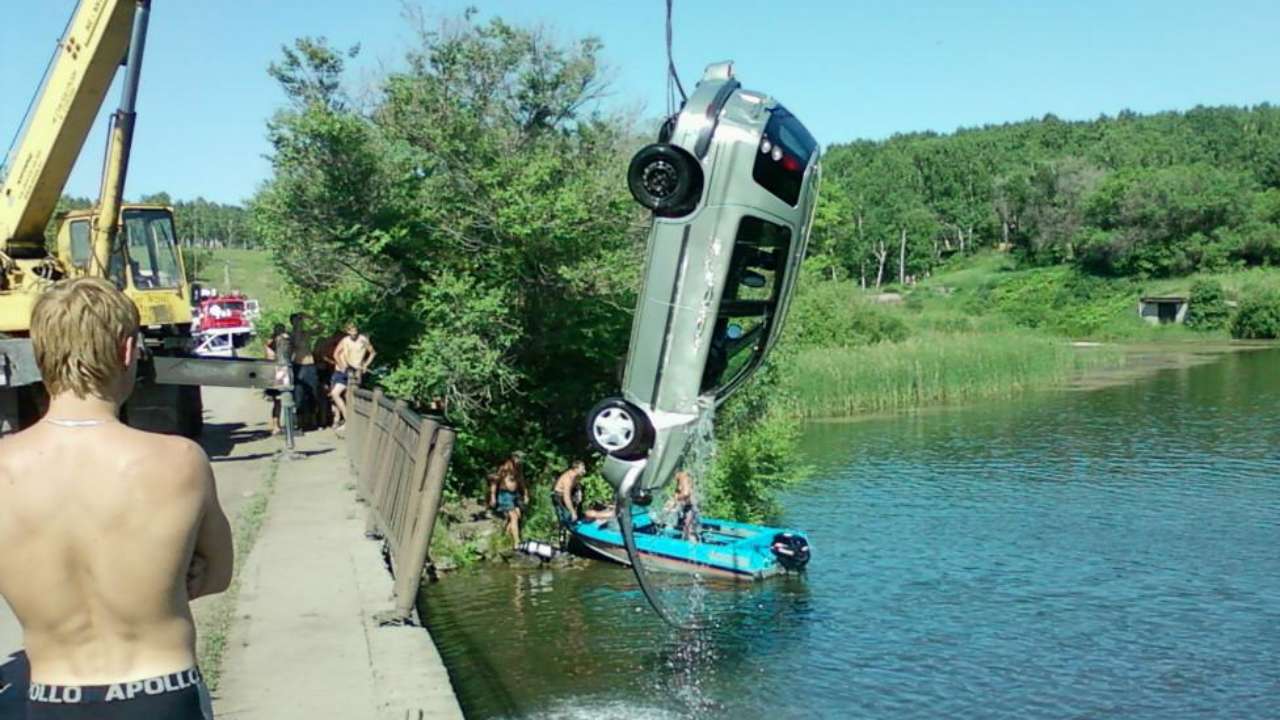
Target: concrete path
(305, 644)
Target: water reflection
(1102, 553)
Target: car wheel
(665, 179)
(619, 428)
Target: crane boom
(83, 68)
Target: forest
(1127, 196)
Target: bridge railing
(400, 459)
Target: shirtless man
(353, 355)
(685, 506)
(107, 532)
(566, 497)
(306, 383)
(508, 493)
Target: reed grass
(933, 369)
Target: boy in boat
(685, 507)
(508, 493)
(108, 532)
(566, 497)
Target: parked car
(732, 183)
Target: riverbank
(980, 329)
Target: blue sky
(851, 69)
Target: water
(1110, 553)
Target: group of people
(321, 371)
(509, 498)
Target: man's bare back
(100, 526)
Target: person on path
(351, 357)
(276, 333)
(306, 383)
(108, 532)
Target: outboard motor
(791, 549)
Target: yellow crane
(132, 245)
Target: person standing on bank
(508, 493)
(351, 359)
(108, 532)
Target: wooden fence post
(436, 451)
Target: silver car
(732, 183)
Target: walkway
(305, 643)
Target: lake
(1075, 554)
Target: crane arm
(83, 68)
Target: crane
(132, 245)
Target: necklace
(75, 423)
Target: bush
(1258, 317)
(1207, 309)
(834, 314)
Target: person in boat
(108, 532)
(685, 506)
(508, 493)
(566, 498)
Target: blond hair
(77, 327)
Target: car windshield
(748, 305)
(153, 259)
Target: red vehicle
(224, 324)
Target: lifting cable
(673, 78)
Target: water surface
(1109, 553)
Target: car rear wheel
(619, 428)
(665, 179)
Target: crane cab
(145, 262)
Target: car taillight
(790, 164)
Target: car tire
(618, 428)
(666, 179)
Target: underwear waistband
(176, 682)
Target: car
(732, 183)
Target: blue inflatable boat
(722, 548)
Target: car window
(749, 303)
(784, 153)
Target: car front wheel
(619, 428)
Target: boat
(721, 548)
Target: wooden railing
(400, 460)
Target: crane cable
(673, 78)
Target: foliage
(1149, 196)
(829, 314)
(933, 369)
(1207, 306)
(1258, 317)
(473, 217)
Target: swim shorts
(176, 696)
(508, 500)
(339, 378)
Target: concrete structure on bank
(1162, 310)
